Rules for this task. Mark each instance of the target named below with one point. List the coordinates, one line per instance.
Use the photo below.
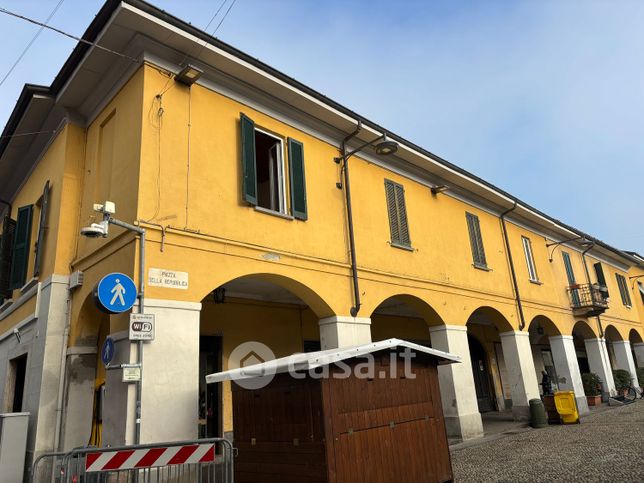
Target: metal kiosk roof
(311, 360)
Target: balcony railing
(588, 300)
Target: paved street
(606, 446)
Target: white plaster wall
(340, 331)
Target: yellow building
(254, 231)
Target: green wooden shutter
(476, 240)
(297, 179)
(390, 192)
(42, 227)
(20, 256)
(6, 250)
(397, 211)
(249, 183)
(403, 227)
(623, 289)
(569, 272)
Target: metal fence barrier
(199, 461)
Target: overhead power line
(81, 40)
(31, 42)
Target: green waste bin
(537, 414)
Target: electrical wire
(62, 32)
(31, 42)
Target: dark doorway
(210, 414)
(19, 370)
(481, 375)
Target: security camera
(108, 207)
(95, 230)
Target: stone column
(638, 349)
(170, 379)
(521, 373)
(458, 395)
(565, 359)
(341, 331)
(624, 358)
(600, 364)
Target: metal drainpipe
(352, 243)
(583, 257)
(139, 345)
(514, 275)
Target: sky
(542, 98)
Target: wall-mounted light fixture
(439, 189)
(585, 244)
(16, 332)
(188, 75)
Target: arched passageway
(85, 387)
(555, 360)
(637, 346)
(404, 317)
(506, 360)
(592, 354)
(247, 320)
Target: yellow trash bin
(567, 406)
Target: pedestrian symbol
(118, 292)
(115, 293)
(107, 351)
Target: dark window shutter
(569, 272)
(6, 250)
(249, 183)
(20, 256)
(623, 289)
(601, 279)
(42, 228)
(390, 192)
(297, 179)
(402, 215)
(476, 240)
(397, 211)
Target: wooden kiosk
(342, 416)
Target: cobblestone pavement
(607, 446)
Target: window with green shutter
(623, 290)
(476, 240)
(20, 256)
(601, 279)
(6, 250)
(297, 179)
(397, 210)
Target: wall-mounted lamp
(438, 189)
(219, 295)
(16, 332)
(188, 75)
(585, 244)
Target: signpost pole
(139, 351)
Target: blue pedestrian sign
(115, 293)
(107, 351)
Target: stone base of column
(521, 413)
(582, 405)
(464, 426)
(340, 331)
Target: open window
(15, 386)
(267, 183)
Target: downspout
(352, 243)
(583, 257)
(517, 296)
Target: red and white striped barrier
(149, 457)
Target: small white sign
(131, 374)
(159, 277)
(141, 327)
